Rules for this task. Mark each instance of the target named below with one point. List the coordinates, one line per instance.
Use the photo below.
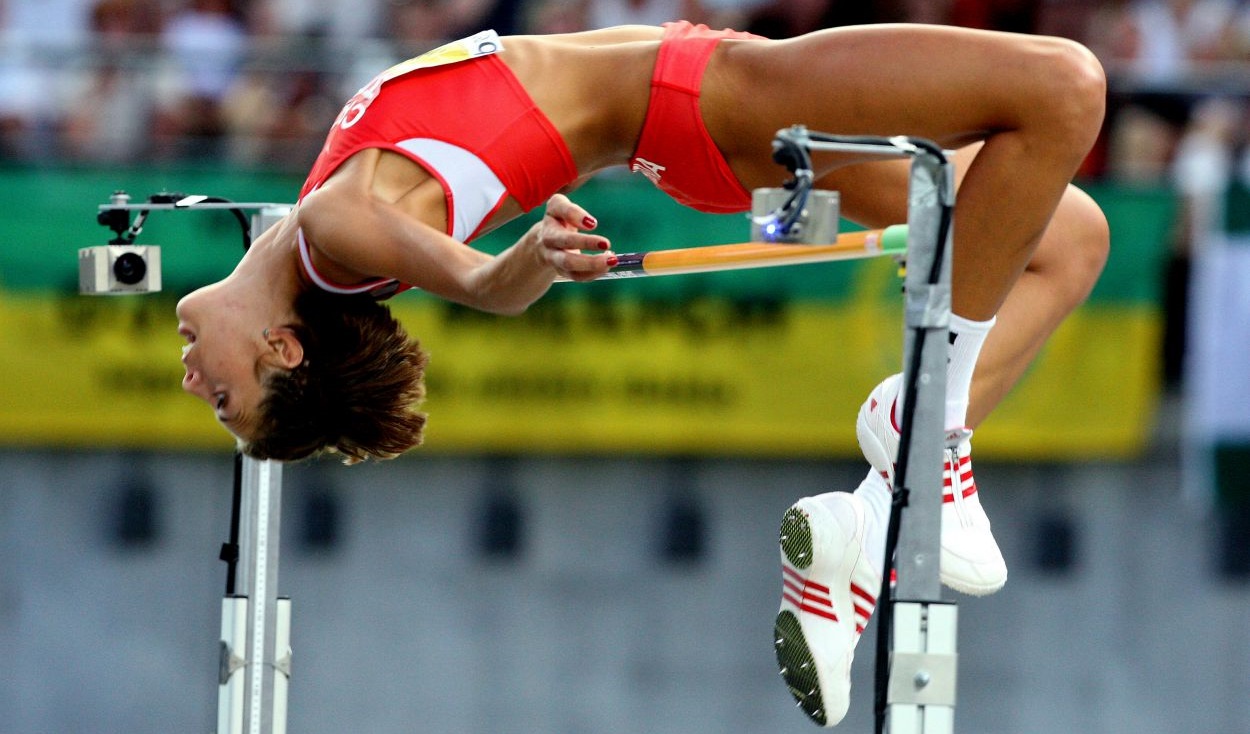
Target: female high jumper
(297, 357)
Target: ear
(284, 347)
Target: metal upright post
(255, 654)
(255, 648)
(921, 686)
(916, 632)
(258, 577)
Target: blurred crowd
(256, 82)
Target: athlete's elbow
(494, 290)
(500, 302)
(507, 309)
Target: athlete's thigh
(875, 194)
(947, 84)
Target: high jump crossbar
(710, 258)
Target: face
(223, 350)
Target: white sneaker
(829, 591)
(970, 559)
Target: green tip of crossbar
(894, 239)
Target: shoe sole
(969, 589)
(956, 581)
(794, 657)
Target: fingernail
(612, 261)
(589, 222)
(604, 244)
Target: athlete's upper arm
(374, 238)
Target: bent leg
(1036, 102)
(1059, 276)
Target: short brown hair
(356, 392)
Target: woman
(297, 357)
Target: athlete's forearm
(555, 246)
(510, 282)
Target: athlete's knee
(1076, 247)
(1087, 80)
(1077, 87)
(1093, 236)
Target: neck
(269, 271)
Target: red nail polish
(612, 261)
(603, 245)
(588, 222)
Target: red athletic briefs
(675, 150)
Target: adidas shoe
(828, 594)
(970, 559)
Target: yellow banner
(587, 372)
(770, 362)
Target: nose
(187, 303)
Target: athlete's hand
(563, 244)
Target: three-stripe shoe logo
(864, 603)
(813, 598)
(806, 595)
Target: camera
(119, 269)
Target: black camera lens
(129, 268)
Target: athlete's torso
(564, 77)
(591, 90)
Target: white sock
(877, 497)
(966, 340)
